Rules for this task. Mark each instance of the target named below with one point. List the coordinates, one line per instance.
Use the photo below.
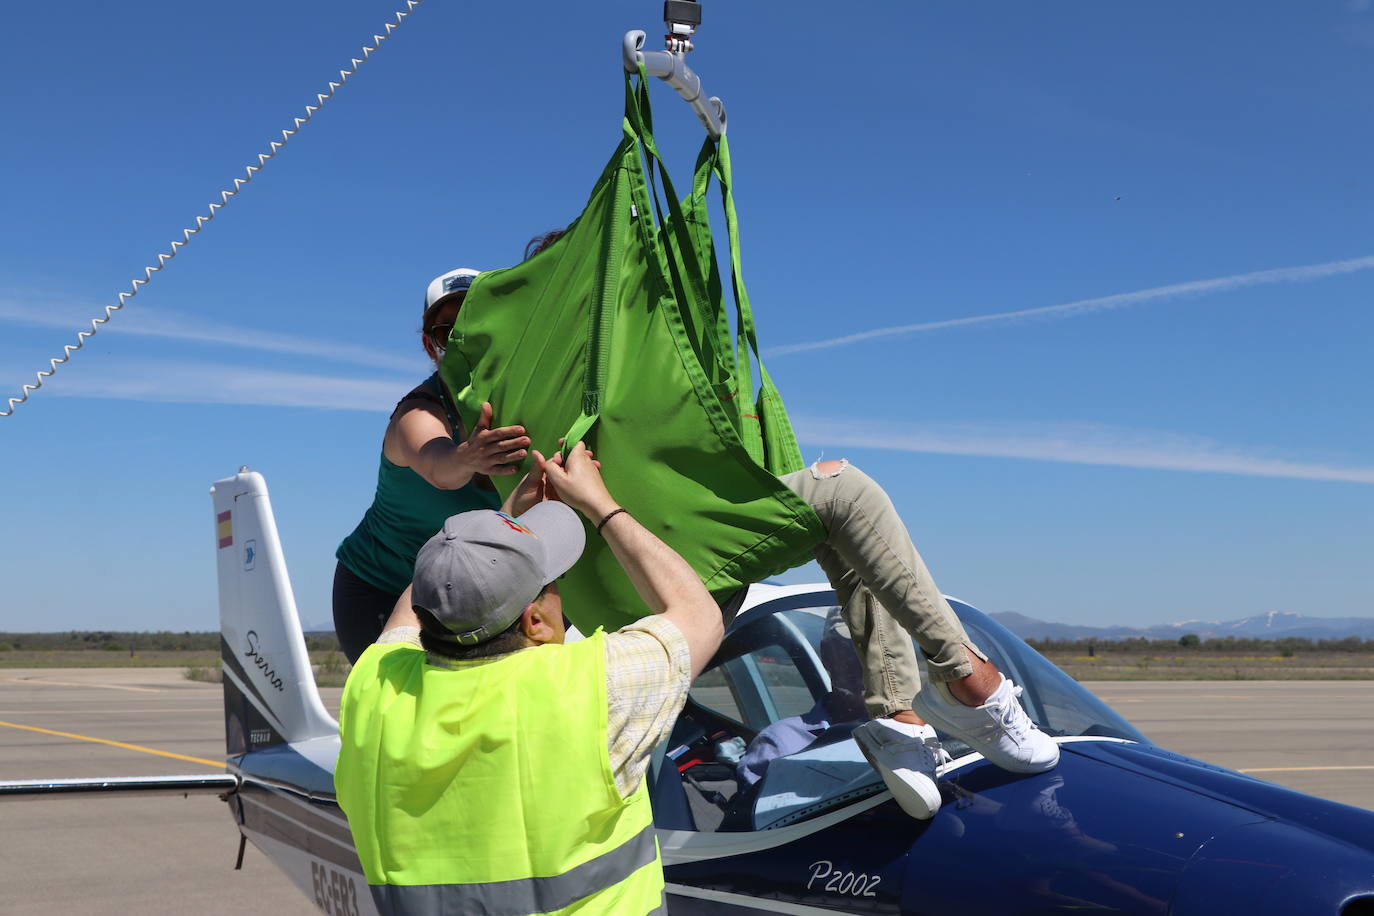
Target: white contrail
(1072, 444)
(201, 383)
(208, 383)
(1119, 300)
(174, 326)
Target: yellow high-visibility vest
(487, 788)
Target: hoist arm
(671, 67)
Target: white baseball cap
(445, 285)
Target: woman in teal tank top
(428, 472)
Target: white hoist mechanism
(681, 18)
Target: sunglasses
(439, 333)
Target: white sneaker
(906, 762)
(1000, 730)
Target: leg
(900, 746)
(885, 651)
(969, 697)
(867, 536)
(360, 611)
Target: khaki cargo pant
(884, 590)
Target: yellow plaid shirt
(648, 671)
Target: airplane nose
(1276, 868)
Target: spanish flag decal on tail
(224, 529)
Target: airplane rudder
(269, 687)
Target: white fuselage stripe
(320, 811)
(752, 903)
(275, 812)
(681, 846)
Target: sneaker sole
(992, 755)
(908, 798)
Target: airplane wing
(214, 784)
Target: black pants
(360, 612)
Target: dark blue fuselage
(1115, 828)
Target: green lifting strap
(618, 334)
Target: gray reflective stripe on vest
(522, 896)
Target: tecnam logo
(267, 672)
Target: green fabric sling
(618, 334)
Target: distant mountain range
(1273, 625)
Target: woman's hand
(493, 451)
(420, 439)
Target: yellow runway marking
(218, 764)
(25, 680)
(1302, 769)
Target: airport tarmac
(153, 856)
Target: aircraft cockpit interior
(764, 739)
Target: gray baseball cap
(478, 574)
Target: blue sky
(1085, 285)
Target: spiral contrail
(224, 196)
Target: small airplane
(749, 826)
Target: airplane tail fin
(270, 695)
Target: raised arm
(663, 579)
(419, 438)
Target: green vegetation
(330, 668)
(1228, 645)
(1186, 658)
(109, 649)
(205, 674)
(1193, 658)
(332, 671)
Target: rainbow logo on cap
(516, 526)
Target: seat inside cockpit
(764, 738)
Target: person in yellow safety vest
(487, 767)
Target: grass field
(1103, 665)
(1186, 659)
(197, 653)
(199, 664)
(97, 658)
(1106, 665)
